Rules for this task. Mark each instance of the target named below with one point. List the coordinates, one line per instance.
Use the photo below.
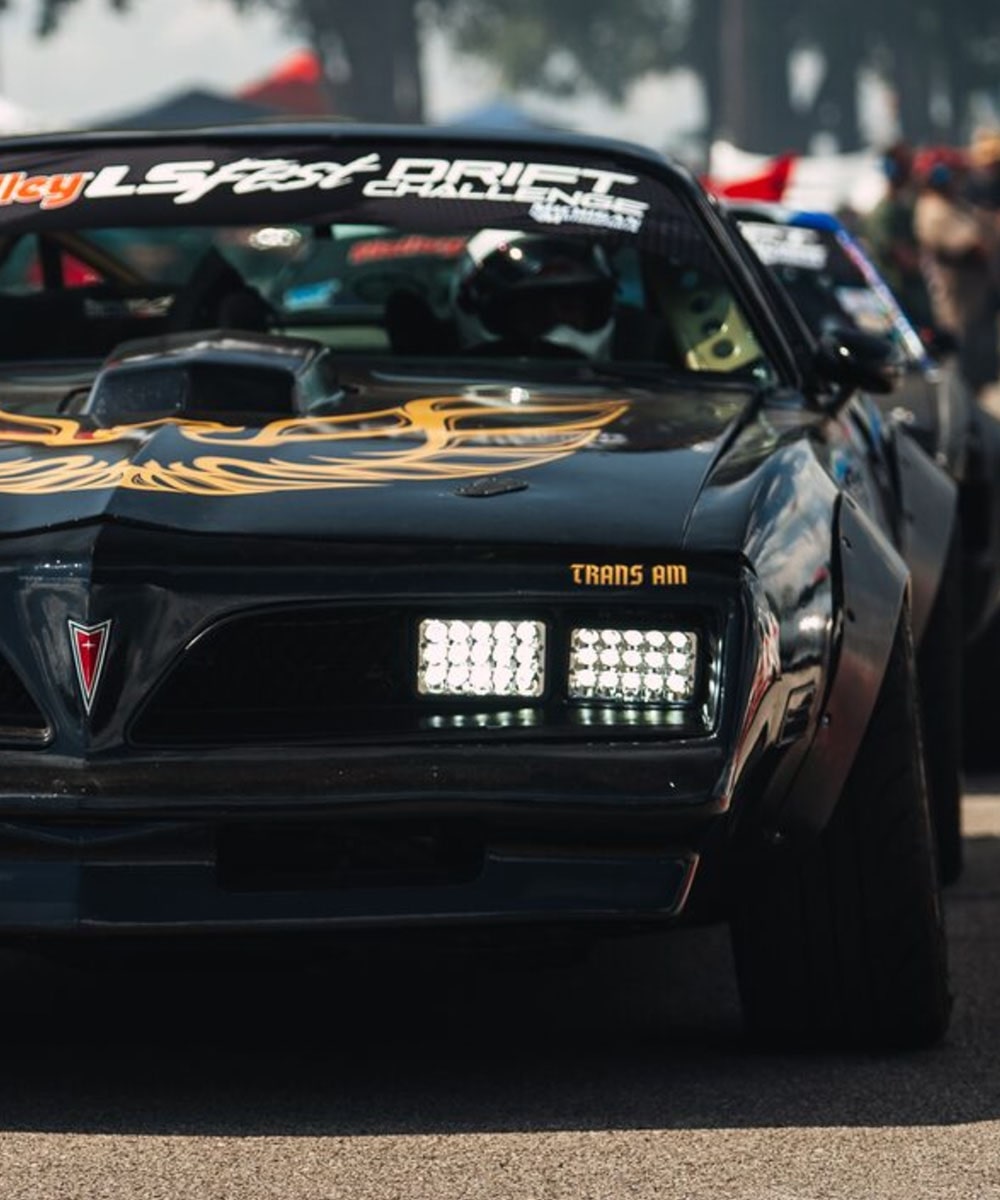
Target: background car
(835, 286)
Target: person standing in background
(983, 193)
(958, 243)
(892, 238)
(983, 187)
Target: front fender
(873, 583)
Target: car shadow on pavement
(645, 1034)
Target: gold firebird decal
(447, 438)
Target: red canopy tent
(295, 86)
(769, 184)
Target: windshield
(380, 255)
(831, 282)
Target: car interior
(69, 298)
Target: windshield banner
(140, 184)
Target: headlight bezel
(513, 653)
(633, 667)
(555, 709)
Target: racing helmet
(526, 292)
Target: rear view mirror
(858, 360)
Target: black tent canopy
(193, 107)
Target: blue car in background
(834, 284)
(826, 273)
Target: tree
(568, 46)
(755, 108)
(371, 52)
(702, 52)
(829, 28)
(933, 56)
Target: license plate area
(320, 855)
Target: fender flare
(874, 596)
(929, 501)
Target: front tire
(843, 945)
(939, 669)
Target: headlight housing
(487, 659)
(552, 671)
(633, 666)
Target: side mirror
(858, 360)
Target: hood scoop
(218, 376)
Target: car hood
(397, 460)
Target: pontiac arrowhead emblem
(90, 644)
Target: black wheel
(843, 943)
(981, 702)
(939, 670)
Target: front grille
(332, 673)
(21, 720)
(280, 676)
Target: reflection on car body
(832, 282)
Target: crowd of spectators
(936, 237)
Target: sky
(101, 64)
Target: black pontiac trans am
(404, 530)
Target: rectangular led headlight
(633, 666)
(481, 658)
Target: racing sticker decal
(189, 182)
(47, 191)
(89, 644)
(437, 439)
(786, 245)
(554, 193)
(410, 245)
(184, 182)
(866, 308)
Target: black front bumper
(403, 838)
(137, 885)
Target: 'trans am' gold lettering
(669, 575)
(629, 574)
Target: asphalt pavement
(403, 1077)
